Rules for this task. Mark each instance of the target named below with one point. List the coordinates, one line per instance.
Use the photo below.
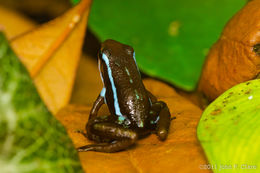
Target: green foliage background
(31, 139)
(171, 37)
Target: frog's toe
(86, 148)
(162, 134)
(110, 147)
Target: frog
(134, 111)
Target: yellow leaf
(51, 54)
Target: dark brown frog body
(135, 112)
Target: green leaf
(31, 139)
(74, 2)
(170, 37)
(229, 129)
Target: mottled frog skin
(135, 112)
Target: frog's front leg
(94, 110)
(96, 106)
(105, 129)
(160, 110)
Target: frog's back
(125, 93)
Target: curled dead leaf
(233, 59)
(51, 54)
(181, 152)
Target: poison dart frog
(135, 112)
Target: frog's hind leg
(161, 116)
(119, 138)
(164, 119)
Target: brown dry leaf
(181, 152)
(12, 23)
(232, 60)
(51, 54)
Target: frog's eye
(100, 53)
(256, 49)
(129, 50)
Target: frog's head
(235, 57)
(114, 55)
(115, 52)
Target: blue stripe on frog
(136, 63)
(116, 104)
(103, 91)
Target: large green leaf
(31, 139)
(170, 37)
(229, 129)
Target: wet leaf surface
(229, 129)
